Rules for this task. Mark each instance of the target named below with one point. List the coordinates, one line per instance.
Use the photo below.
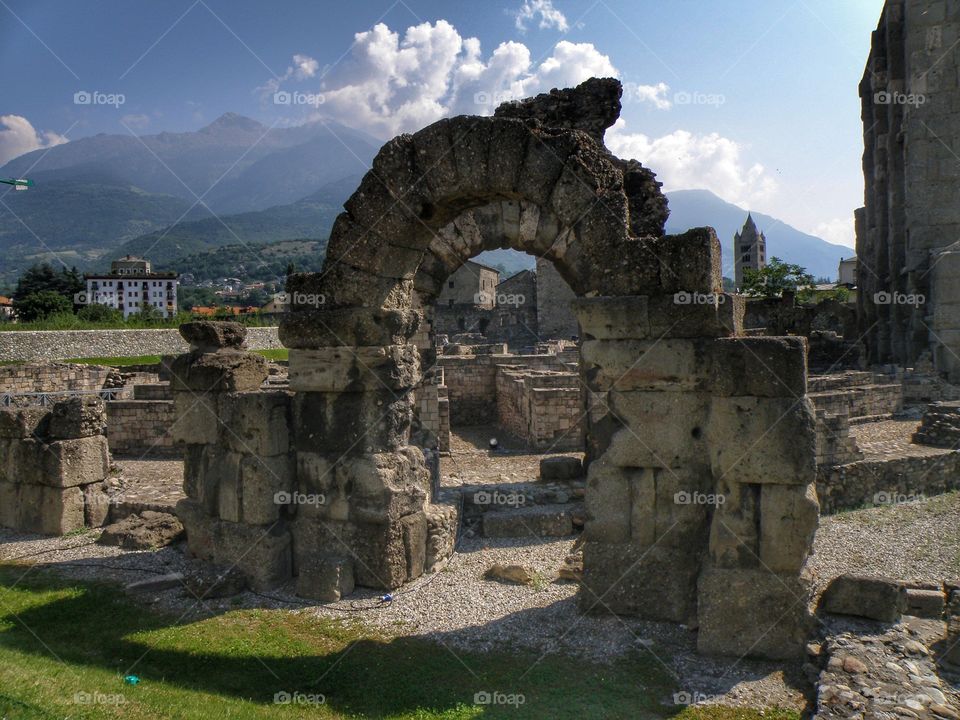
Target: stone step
(534, 522)
(482, 499)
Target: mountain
(253, 261)
(311, 217)
(696, 208)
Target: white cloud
(839, 230)
(136, 122)
(17, 136)
(303, 67)
(549, 16)
(685, 160)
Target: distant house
(847, 272)
(202, 311)
(6, 308)
(131, 285)
(471, 284)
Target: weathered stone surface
(759, 366)
(561, 468)
(534, 522)
(198, 420)
(148, 530)
(325, 578)
(77, 417)
(753, 613)
(415, 543)
(224, 371)
(866, 596)
(690, 263)
(926, 603)
(48, 510)
(348, 327)
(789, 515)
(264, 482)
(512, 574)
(661, 429)
(613, 318)
(63, 463)
(23, 422)
(256, 423)
(592, 106)
(212, 335)
(666, 365)
(356, 369)
(206, 581)
(352, 423)
(96, 504)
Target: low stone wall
(894, 480)
(39, 345)
(433, 410)
(56, 461)
(141, 427)
(543, 408)
(860, 401)
(53, 377)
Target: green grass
(59, 638)
(270, 354)
(72, 322)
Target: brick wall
(141, 427)
(543, 408)
(52, 377)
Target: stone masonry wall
(141, 427)
(45, 345)
(52, 377)
(541, 407)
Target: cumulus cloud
(303, 67)
(392, 82)
(839, 230)
(548, 15)
(686, 160)
(18, 136)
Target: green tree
(41, 305)
(97, 313)
(148, 314)
(776, 278)
(43, 278)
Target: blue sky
(755, 100)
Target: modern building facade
(131, 285)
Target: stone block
(561, 468)
(256, 423)
(660, 429)
(23, 422)
(9, 502)
(789, 515)
(212, 335)
(64, 463)
(753, 613)
(759, 366)
(382, 488)
(528, 522)
(77, 417)
(347, 327)
(613, 318)
(264, 483)
(198, 419)
(868, 596)
(48, 510)
(325, 578)
(352, 423)
(690, 262)
(661, 365)
(147, 530)
(355, 369)
(926, 603)
(96, 504)
(762, 440)
(689, 315)
(415, 543)
(735, 527)
(223, 371)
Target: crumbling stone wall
(55, 464)
(555, 318)
(53, 377)
(544, 408)
(141, 427)
(716, 414)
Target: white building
(131, 285)
(848, 271)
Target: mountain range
(236, 182)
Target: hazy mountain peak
(233, 121)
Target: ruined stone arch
(688, 401)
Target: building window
(450, 284)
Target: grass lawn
(271, 354)
(60, 639)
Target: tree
(43, 278)
(775, 279)
(147, 314)
(97, 313)
(41, 305)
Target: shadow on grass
(255, 654)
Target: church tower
(749, 250)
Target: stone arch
(686, 406)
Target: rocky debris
(145, 531)
(561, 468)
(940, 426)
(516, 574)
(871, 671)
(207, 580)
(24, 422)
(325, 578)
(572, 568)
(213, 335)
(867, 596)
(78, 417)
